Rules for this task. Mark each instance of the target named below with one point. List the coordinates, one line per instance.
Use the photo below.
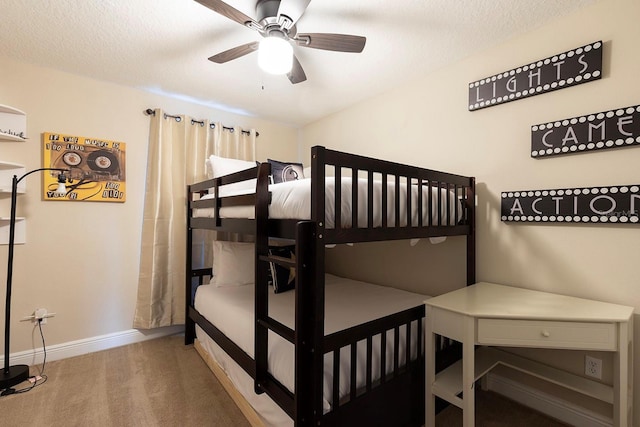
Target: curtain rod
(150, 112)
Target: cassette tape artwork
(96, 168)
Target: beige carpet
(164, 383)
(160, 382)
(493, 410)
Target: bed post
(261, 277)
(310, 302)
(309, 330)
(189, 324)
(471, 237)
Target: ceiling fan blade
(336, 42)
(234, 53)
(224, 9)
(292, 9)
(296, 75)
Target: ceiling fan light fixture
(275, 55)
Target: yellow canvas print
(95, 168)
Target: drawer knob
(545, 334)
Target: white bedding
(348, 303)
(292, 200)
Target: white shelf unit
(449, 381)
(13, 128)
(7, 171)
(13, 124)
(21, 231)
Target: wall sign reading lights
(611, 205)
(608, 129)
(571, 68)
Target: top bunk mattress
(292, 200)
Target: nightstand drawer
(537, 333)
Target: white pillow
(217, 166)
(233, 264)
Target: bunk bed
(364, 371)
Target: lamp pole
(12, 375)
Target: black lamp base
(16, 375)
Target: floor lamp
(12, 375)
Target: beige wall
(81, 259)
(426, 123)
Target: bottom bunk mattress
(347, 303)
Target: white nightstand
(495, 315)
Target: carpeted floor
(164, 383)
(159, 382)
(493, 410)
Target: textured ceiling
(163, 45)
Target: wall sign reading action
(614, 204)
(608, 129)
(571, 68)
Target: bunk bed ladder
(264, 382)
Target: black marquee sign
(619, 204)
(598, 131)
(577, 66)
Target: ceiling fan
(276, 20)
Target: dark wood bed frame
(396, 398)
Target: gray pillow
(285, 171)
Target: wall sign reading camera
(597, 131)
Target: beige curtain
(178, 147)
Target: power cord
(35, 380)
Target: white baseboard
(90, 345)
(551, 405)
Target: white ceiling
(163, 45)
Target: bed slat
(384, 200)
(354, 199)
(383, 357)
(354, 369)
(369, 363)
(396, 350)
(397, 201)
(420, 210)
(336, 379)
(407, 352)
(409, 201)
(338, 196)
(370, 201)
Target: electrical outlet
(40, 314)
(593, 367)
